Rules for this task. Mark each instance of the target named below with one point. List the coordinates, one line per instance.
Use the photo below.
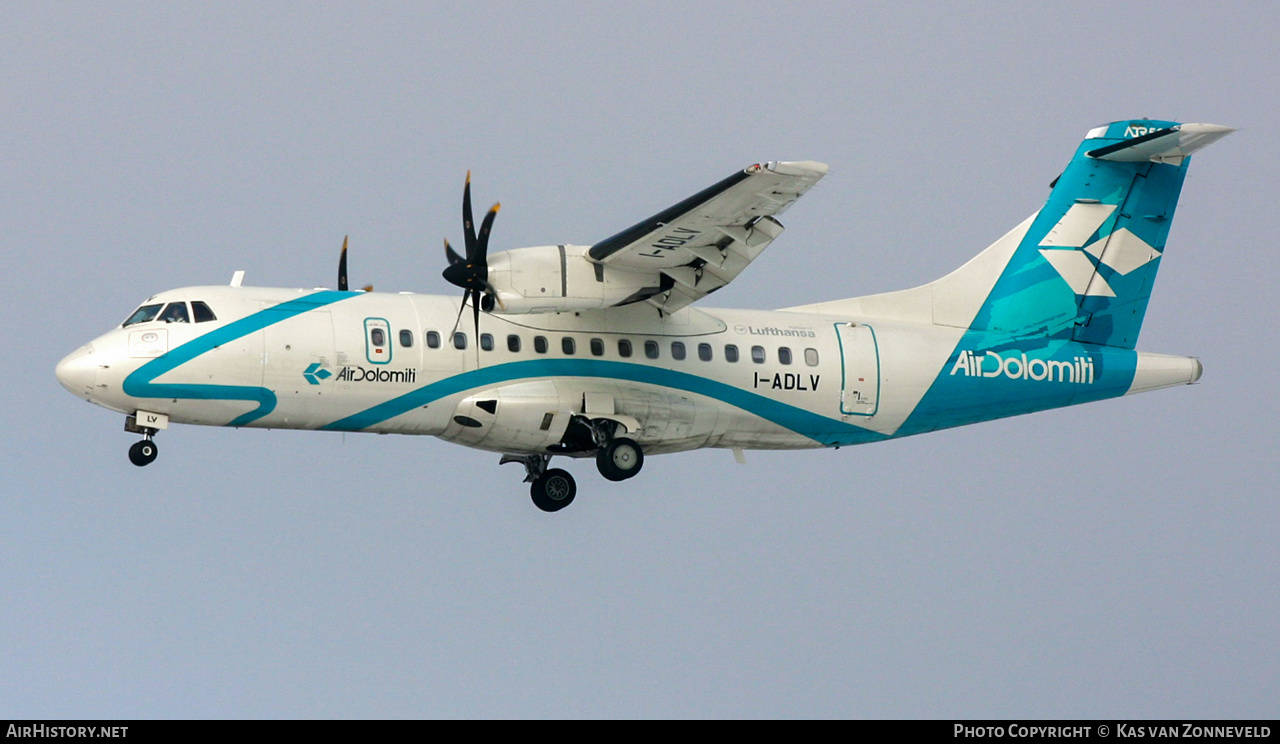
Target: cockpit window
(202, 312)
(175, 312)
(143, 314)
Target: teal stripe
(822, 429)
(140, 385)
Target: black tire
(620, 459)
(553, 490)
(143, 453)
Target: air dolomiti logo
(316, 372)
(990, 364)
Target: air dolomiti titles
(990, 364)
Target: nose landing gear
(143, 453)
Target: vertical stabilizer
(1086, 266)
(1080, 269)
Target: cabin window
(597, 347)
(677, 350)
(202, 312)
(486, 341)
(568, 346)
(651, 349)
(143, 314)
(540, 344)
(730, 353)
(704, 352)
(513, 343)
(176, 312)
(784, 355)
(459, 340)
(624, 348)
(433, 339)
(406, 338)
(757, 354)
(378, 337)
(811, 357)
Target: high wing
(699, 245)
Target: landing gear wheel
(143, 453)
(620, 459)
(553, 490)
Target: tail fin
(1089, 260)
(1082, 268)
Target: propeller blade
(342, 266)
(468, 224)
(489, 290)
(482, 247)
(475, 312)
(451, 254)
(458, 319)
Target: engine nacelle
(560, 278)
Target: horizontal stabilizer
(1169, 145)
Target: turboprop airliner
(598, 351)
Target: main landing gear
(552, 489)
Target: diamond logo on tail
(1121, 251)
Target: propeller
(471, 272)
(342, 269)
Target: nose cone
(78, 372)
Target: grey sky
(1116, 560)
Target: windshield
(143, 314)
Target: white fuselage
(695, 378)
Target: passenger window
(757, 354)
(730, 353)
(486, 341)
(175, 312)
(459, 340)
(811, 357)
(406, 338)
(433, 339)
(202, 312)
(143, 314)
(784, 355)
(567, 345)
(597, 347)
(704, 352)
(378, 337)
(624, 348)
(513, 343)
(651, 349)
(677, 350)
(540, 344)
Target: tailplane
(1081, 268)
